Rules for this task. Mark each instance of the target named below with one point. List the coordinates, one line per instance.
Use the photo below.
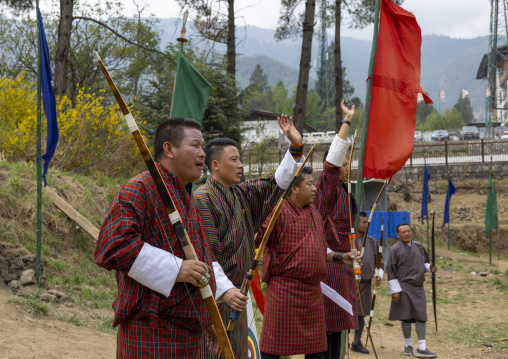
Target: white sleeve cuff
(328, 251)
(394, 286)
(381, 272)
(222, 281)
(337, 151)
(427, 267)
(156, 269)
(287, 170)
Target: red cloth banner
(395, 87)
(255, 285)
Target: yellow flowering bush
(93, 133)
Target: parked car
(330, 135)
(470, 133)
(418, 136)
(306, 137)
(440, 135)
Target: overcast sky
(454, 18)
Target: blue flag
(425, 192)
(449, 194)
(48, 101)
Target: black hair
(363, 214)
(215, 148)
(400, 225)
(305, 171)
(172, 131)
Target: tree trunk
(303, 77)
(231, 45)
(63, 46)
(338, 67)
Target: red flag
(395, 86)
(255, 285)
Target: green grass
(74, 319)
(501, 285)
(106, 326)
(32, 304)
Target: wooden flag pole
(372, 62)
(38, 161)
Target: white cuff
(337, 151)
(381, 272)
(156, 269)
(427, 267)
(287, 170)
(328, 251)
(394, 286)
(222, 281)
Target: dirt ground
(24, 336)
(471, 317)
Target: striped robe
(294, 263)
(232, 217)
(151, 324)
(407, 267)
(331, 202)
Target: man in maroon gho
(159, 310)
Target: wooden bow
(378, 266)
(171, 211)
(433, 260)
(354, 251)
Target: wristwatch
(337, 257)
(346, 121)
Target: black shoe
(359, 348)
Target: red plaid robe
(151, 325)
(331, 201)
(294, 263)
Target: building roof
(254, 115)
(502, 51)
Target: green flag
(190, 96)
(491, 209)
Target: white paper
(337, 298)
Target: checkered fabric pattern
(136, 216)
(294, 263)
(332, 203)
(232, 216)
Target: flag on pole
(48, 101)
(395, 88)
(491, 208)
(449, 194)
(442, 95)
(425, 192)
(465, 93)
(190, 96)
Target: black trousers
(307, 356)
(333, 339)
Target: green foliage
(463, 107)
(423, 111)
(259, 80)
(74, 319)
(32, 304)
(106, 325)
(449, 120)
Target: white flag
(419, 98)
(252, 335)
(487, 92)
(465, 93)
(337, 298)
(442, 95)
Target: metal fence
(258, 163)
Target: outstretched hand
(287, 127)
(348, 114)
